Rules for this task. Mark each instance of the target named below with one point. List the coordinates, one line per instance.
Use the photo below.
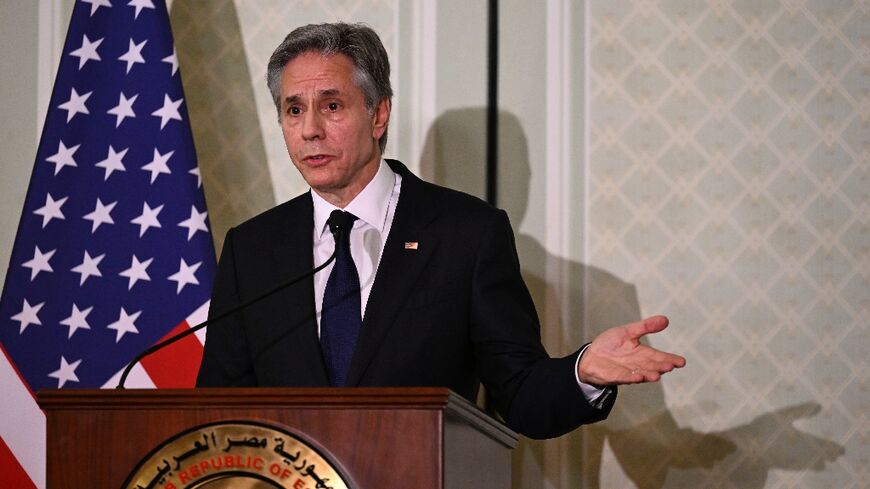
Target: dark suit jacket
(450, 313)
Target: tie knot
(340, 223)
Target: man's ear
(380, 118)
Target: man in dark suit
(425, 289)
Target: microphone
(339, 224)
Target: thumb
(652, 324)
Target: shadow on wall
(220, 100)
(641, 432)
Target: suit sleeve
(225, 359)
(536, 395)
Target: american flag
(113, 250)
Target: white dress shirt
(374, 208)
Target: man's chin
(320, 182)
(323, 183)
(317, 176)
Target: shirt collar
(369, 206)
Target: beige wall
(18, 127)
(709, 162)
(32, 35)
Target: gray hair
(356, 41)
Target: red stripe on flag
(176, 366)
(11, 472)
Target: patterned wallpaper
(729, 176)
(225, 123)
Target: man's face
(331, 137)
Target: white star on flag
(137, 271)
(133, 54)
(51, 210)
(95, 4)
(113, 161)
(140, 4)
(75, 104)
(88, 267)
(78, 319)
(39, 262)
(148, 218)
(28, 315)
(87, 51)
(195, 172)
(123, 109)
(194, 223)
(168, 111)
(185, 275)
(126, 323)
(159, 164)
(172, 59)
(100, 215)
(63, 157)
(66, 372)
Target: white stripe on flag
(22, 423)
(138, 379)
(198, 316)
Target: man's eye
(332, 106)
(294, 111)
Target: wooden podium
(380, 438)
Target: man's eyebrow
(329, 92)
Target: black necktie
(341, 317)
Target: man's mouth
(316, 159)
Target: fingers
(663, 367)
(655, 324)
(656, 363)
(647, 357)
(651, 376)
(658, 368)
(668, 358)
(639, 376)
(608, 372)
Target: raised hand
(617, 356)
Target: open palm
(617, 356)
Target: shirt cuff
(594, 394)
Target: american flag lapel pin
(411, 245)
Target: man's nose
(312, 125)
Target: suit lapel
(399, 268)
(293, 255)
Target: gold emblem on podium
(237, 455)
